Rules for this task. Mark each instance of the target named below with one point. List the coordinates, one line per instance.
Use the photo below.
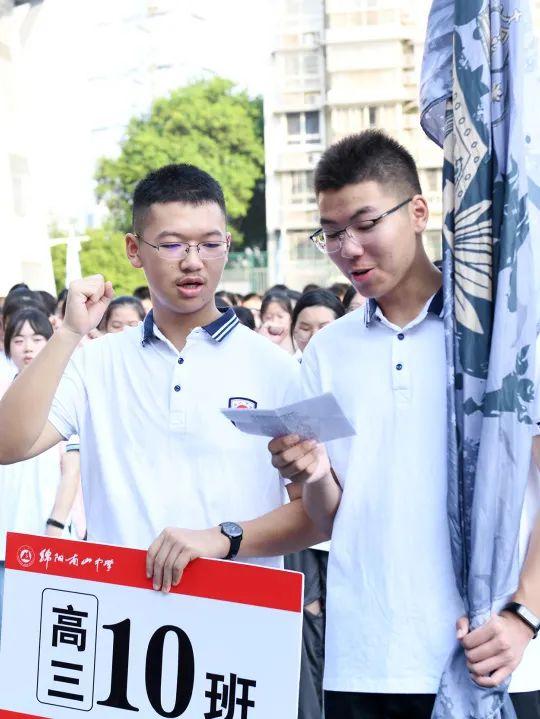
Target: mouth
(190, 286)
(275, 331)
(362, 274)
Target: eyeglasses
(209, 250)
(331, 242)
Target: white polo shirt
(155, 449)
(392, 601)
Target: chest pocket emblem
(242, 403)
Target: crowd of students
(135, 386)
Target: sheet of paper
(319, 418)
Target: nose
(351, 246)
(192, 259)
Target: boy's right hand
(86, 303)
(300, 460)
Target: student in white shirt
(35, 495)
(161, 466)
(392, 602)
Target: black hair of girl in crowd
(318, 298)
(37, 319)
(245, 316)
(19, 300)
(349, 296)
(121, 302)
(281, 298)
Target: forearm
(68, 488)
(283, 531)
(528, 591)
(321, 500)
(25, 407)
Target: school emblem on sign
(242, 403)
(25, 556)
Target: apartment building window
(299, 187)
(303, 127)
(302, 64)
(302, 7)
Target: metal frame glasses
(209, 250)
(332, 242)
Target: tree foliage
(208, 124)
(103, 253)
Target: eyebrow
(361, 211)
(180, 236)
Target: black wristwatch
(234, 532)
(526, 616)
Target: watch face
(231, 529)
(528, 616)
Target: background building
(338, 66)
(24, 250)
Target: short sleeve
(310, 381)
(536, 404)
(69, 401)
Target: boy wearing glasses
(392, 602)
(156, 452)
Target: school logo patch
(25, 556)
(242, 403)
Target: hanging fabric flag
(479, 55)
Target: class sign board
(84, 632)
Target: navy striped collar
(218, 329)
(436, 306)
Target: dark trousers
(355, 705)
(313, 564)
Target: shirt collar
(436, 307)
(218, 329)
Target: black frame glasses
(321, 237)
(186, 247)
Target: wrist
(69, 335)
(222, 543)
(524, 629)
(320, 481)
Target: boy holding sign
(156, 452)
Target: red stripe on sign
(4, 714)
(209, 578)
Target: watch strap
(55, 523)
(525, 614)
(235, 542)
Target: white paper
(320, 418)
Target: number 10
(185, 675)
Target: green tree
(104, 253)
(58, 254)
(208, 124)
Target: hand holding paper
(319, 418)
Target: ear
(132, 250)
(420, 213)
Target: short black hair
(281, 298)
(17, 300)
(371, 155)
(227, 299)
(175, 183)
(245, 316)
(48, 300)
(38, 320)
(338, 289)
(349, 296)
(318, 298)
(141, 293)
(121, 302)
